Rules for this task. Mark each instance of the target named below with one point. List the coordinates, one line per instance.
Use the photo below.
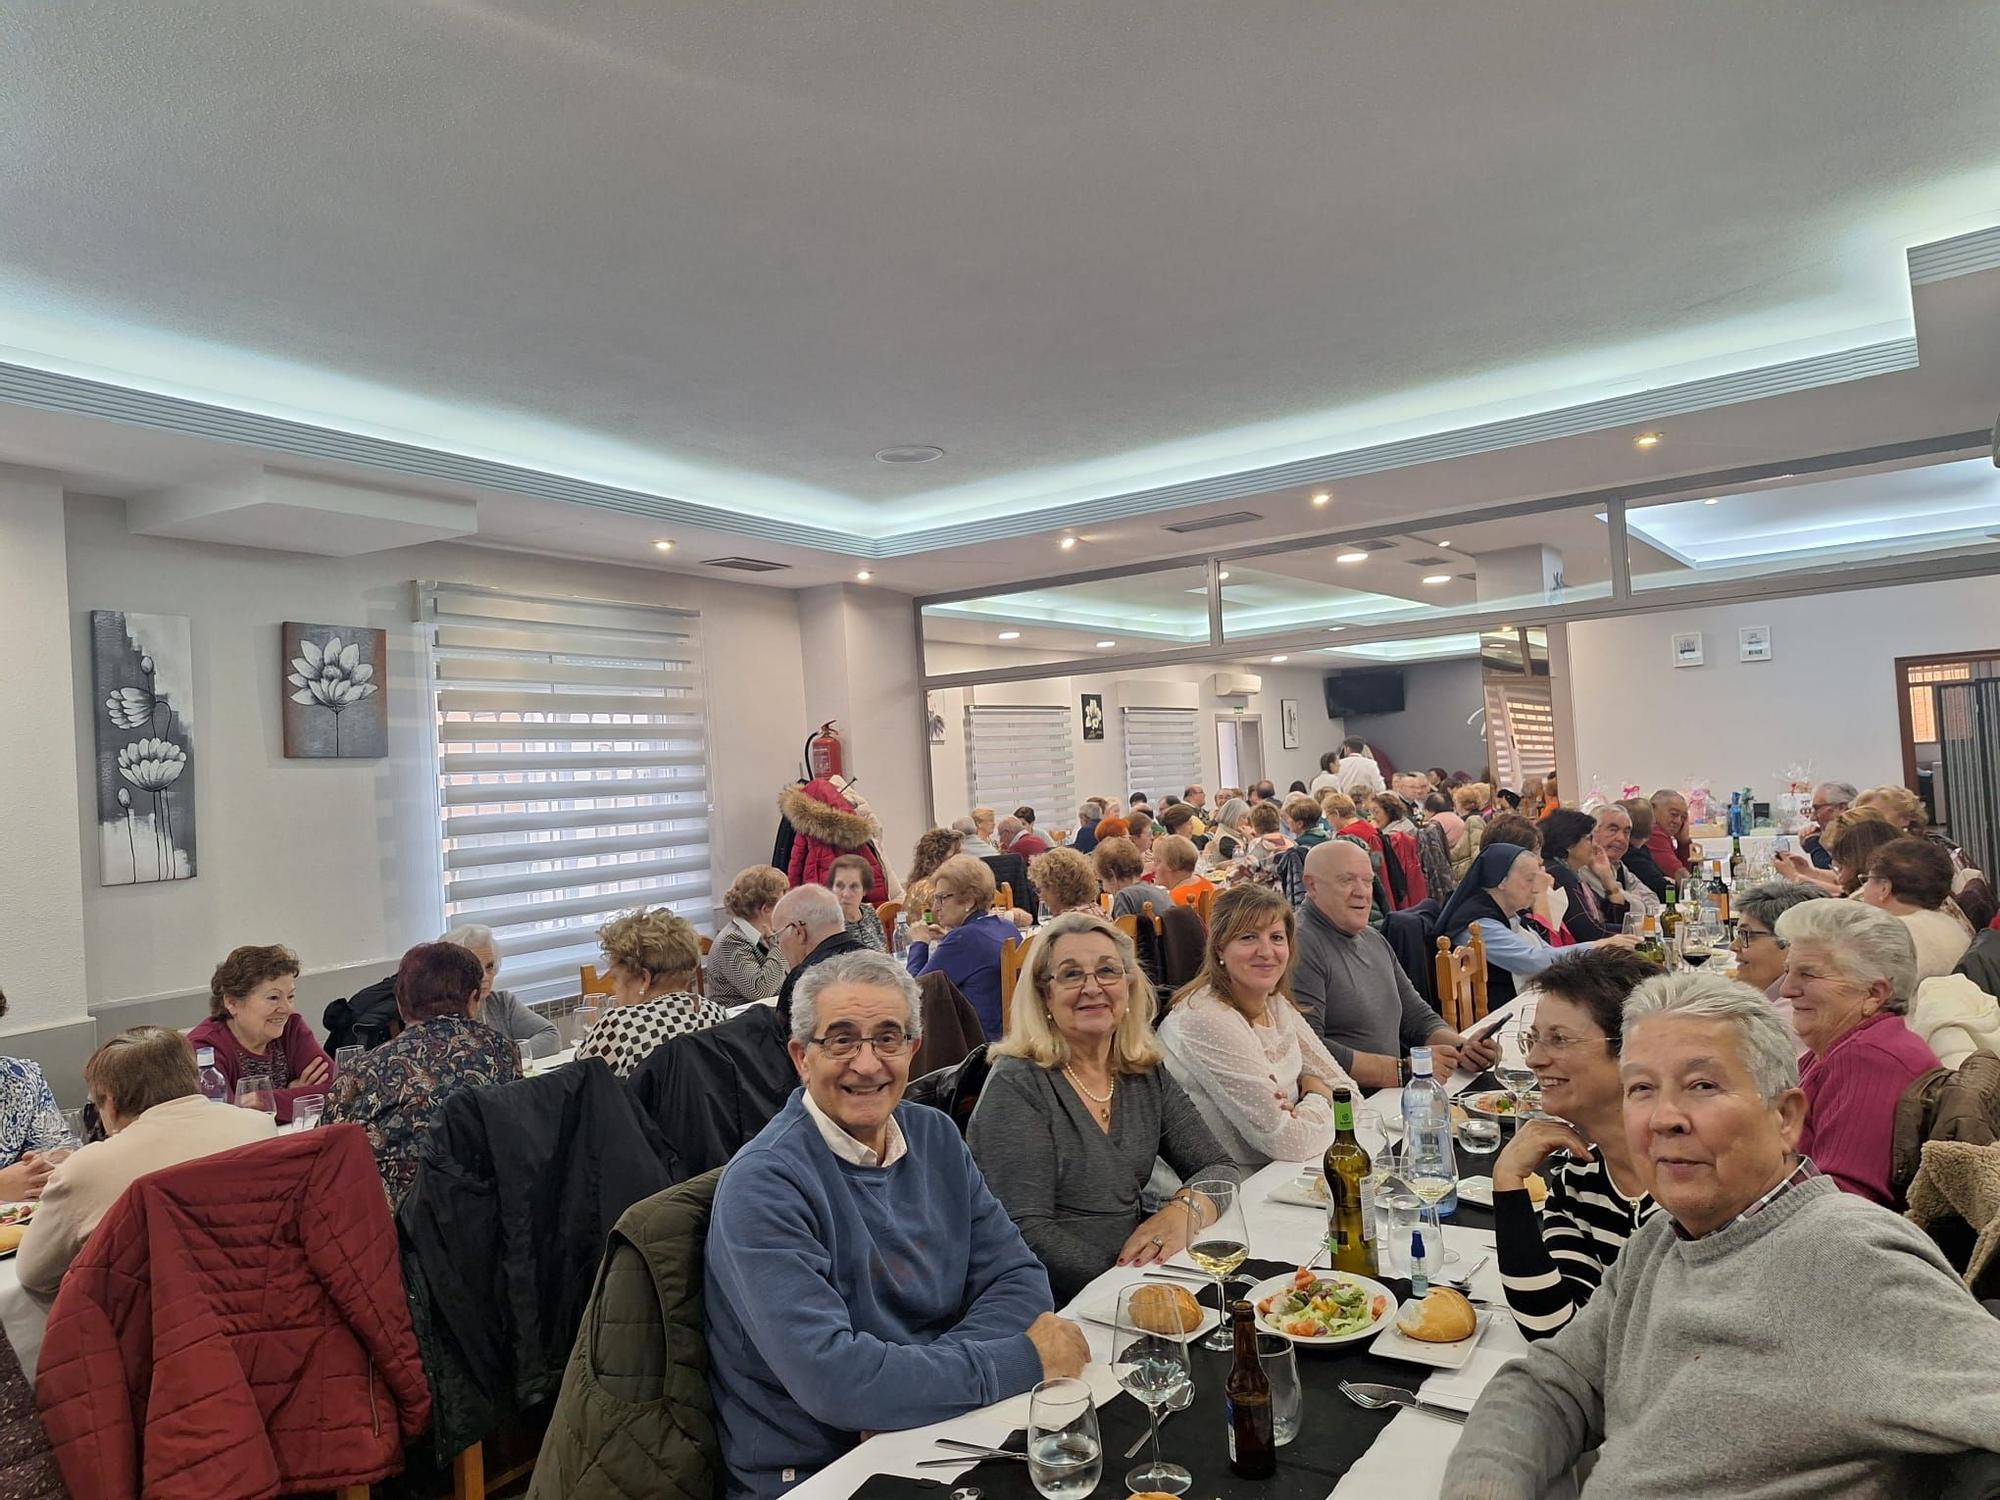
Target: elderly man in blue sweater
(860, 1276)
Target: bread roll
(10, 1237)
(1159, 1308)
(1444, 1317)
(1537, 1189)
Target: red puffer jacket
(236, 1327)
(825, 826)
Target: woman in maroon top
(254, 1028)
(1849, 971)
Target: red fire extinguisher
(823, 752)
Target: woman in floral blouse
(651, 958)
(395, 1091)
(31, 1124)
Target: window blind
(1020, 757)
(1520, 728)
(572, 771)
(1162, 752)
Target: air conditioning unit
(1235, 684)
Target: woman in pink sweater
(1849, 971)
(254, 1028)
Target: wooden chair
(1011, 955)
(1204, 902)
(1127, 924)
(886, 914)
(1104, 903)
(1461, 980)
(588, 983)
(1003, 897)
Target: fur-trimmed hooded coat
(825, 825)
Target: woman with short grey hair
(1764, 1044)
(1849, 973)
(535, 1032)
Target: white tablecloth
(23, 1316)
(1407, 1459)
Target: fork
(1375, 1397)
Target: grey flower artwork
(142, 692)
(334, 703)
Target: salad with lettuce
(1317, 1306)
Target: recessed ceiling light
(1010, 635)
(1322, 498)
(1352, 557)
(910, 453)
(1223, 576)
(1711, 502)
(1067, 542)
(664, 545)
(1437, 578)
(1648, 440)
(1105, 645)
(1445, 542)
(1276, 659)
(864, 575)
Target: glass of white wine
(1154, 1368)
(1218, 1242)
(1512, 1069)
(1431, 1171)
(1065, 1454)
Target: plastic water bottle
(899, 942)
(214, 1087)
(1427, 1109)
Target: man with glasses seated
(1829, 800)
(860, 1276)
(1760, 952)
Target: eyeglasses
(1745, 934)
(1555, 1041)
(1071, 980)
(842, 1046)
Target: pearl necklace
(1102, 1107)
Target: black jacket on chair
(709, 1091)
(515, 1195)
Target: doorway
(1239, 749)
(1916, 708)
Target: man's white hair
(814, 905)
(1842, 791)
(875, 970)
(1861, 944)
(1766, 1046)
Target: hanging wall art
(142, 702)
(334, 703)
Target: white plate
(1104, 1311)
(1392, 1343)
(1307, 1190)
(1278, 1284)
(1473, 1103)
(1479, 1190)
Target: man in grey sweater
(1768, 1336)
(1349, 985)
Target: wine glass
(583, 1018)
(346, 1057)
(307, 1110)
(1065, 1455)
(254, 1091)
(1698, 940)
(1512, 1069)
(1218, 1243)
(1154, 1368)
(1431, 1172)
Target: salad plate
(1322, 1307)
(1498, 1104)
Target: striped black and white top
(1551, 1262)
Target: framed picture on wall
(1093, 716)
(1288, 719)
(1687, 648)
(1753, 643)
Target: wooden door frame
(1906, 730)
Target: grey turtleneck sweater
(1820, 1349)
(1355, 994)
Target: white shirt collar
(847, 1148)
(749, 933)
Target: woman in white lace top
(1261, 1077)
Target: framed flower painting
(142, 708)
(335, 705)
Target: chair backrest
(1011, 955)
(1204, 902)
(886, 914)
(1104, 902)
(1461, 980)
(1003, 896)
(1127, 924)
(589, 983)
(707, 943)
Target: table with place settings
(1342, 1451)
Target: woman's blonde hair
(1337, 805)
(933, 849)
(1064, 879)
(1241, 909)
(1898, 804)
(969, 877)
(1175, 853)
(1117, 859)
(1031, 1032)
(1471, 798)
(754, 890)
(657, 942)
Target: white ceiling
(720, 254)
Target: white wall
(41, 907)
(1827, 696)
(1438, 697)
(1100, 765)
(338, 859)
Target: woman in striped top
(1597, 1198)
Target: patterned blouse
(626, 1036)
(30, 1118)
(395, 1091)
(867, 928)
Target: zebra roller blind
(1162, 752)
(572, 771)
(1019, 757)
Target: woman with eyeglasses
(1551, 1263)
(1910, 879)
(1078, 1107)
(962, 937)
(1255, 1068)
(1760, 952)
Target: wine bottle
(1650, 945)
(1253, 1441)
(1349, 1220)
(1670, 918)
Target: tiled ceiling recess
(1211, 523)
(746, 565)
(1427, 562)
